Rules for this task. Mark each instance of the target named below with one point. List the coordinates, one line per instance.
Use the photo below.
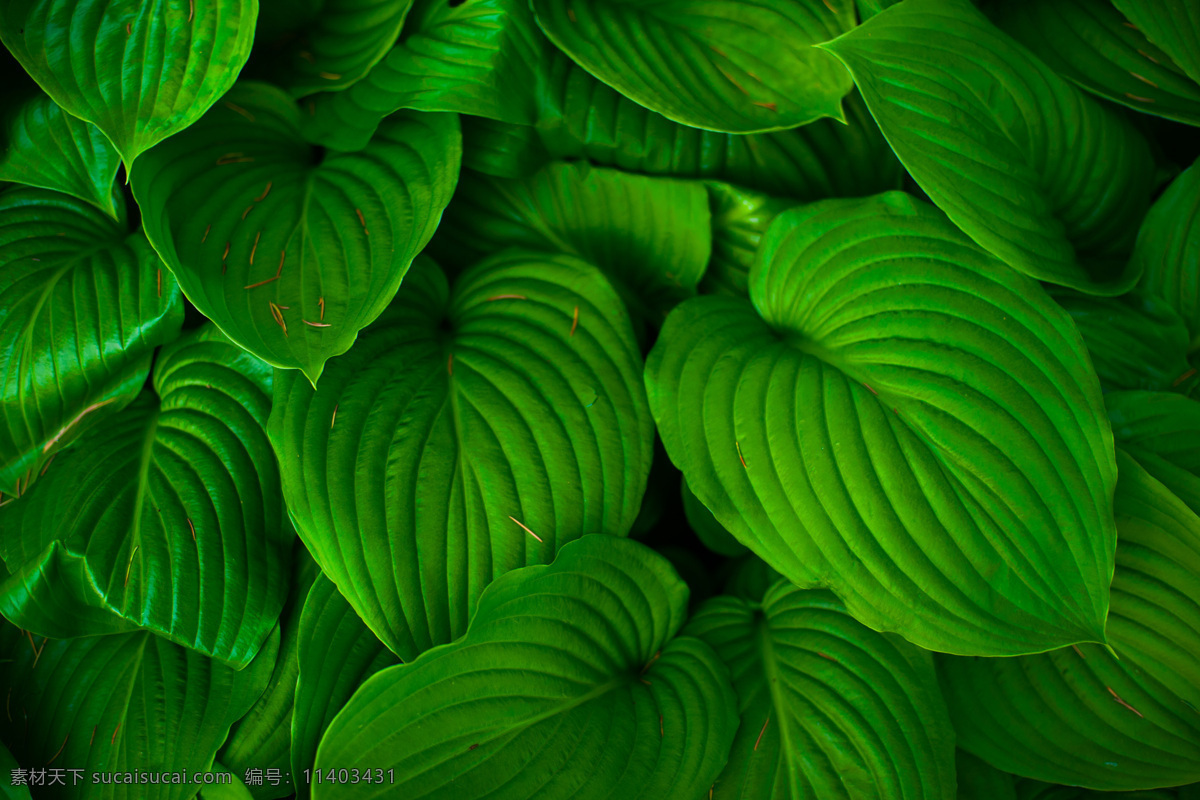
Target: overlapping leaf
(120, 704)
(710, 532)
(742, 66)
(140, 71)
(1161, 431)
(289, 257)
(829, 708)
(9, 789)
(739, 219)
(469, 432)
(570, 683)
(166, 518)
(83, 304)
(904, 420)
(1041, 175)
(1173, 25)
(1168, 249)
(1080, 716)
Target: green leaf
(869, 8)
(236, 789)
(1173, 25)
(80, 316)
(710, 532)
(292, 258)
(1080, 716)
(153, 67)
(174, 522)
(463, 424)
(123, 704)
(339, 45)
(900, 418)
(978, 780)
(336, 652)
(742, 66)
(750, 578)
(9, 789)
(1037, 790)
(739, 219)
(829, 708)
(650, 236)
(1168, 249)
(570, 683)
(1043, 176)
(1093, 45)
(46, 147)
(1161, 431)
(501, 149)
(1136, 341)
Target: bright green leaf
(1161, 431)
(1173, 25)
(898, 417)
(289, 257)
(1040, 174)
(83, 304)
(1168, 249)
(741, 66)
(570, 683)
(236, 789)
(740, 217)
(829, 709)
(464, 424)
(173, 519)
(142, 70)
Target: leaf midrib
(766, 651)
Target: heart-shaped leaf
(152, 67)
(829, 708)
(1093, 45)
(1035, 171)
(46, 147)
(570, 683)
(123, 704)
(175, 523)
(469, 432)
(1173, 25)
(1080, 716)
(1161, 431)
(739, 219)
(742, 66)
(1168, 249)
(900, 418)
(83, 304)
(651, 236)
(335, 653)
(291, 258)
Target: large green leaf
(740, 217)
(570, 683)
(1035, 171)
(829, 709)
(289, 257)
(651, 236)
(83, 304)
(336, 652)
(1080, 716)
(742, 66)
(1093, 45)
(710, 532)
(140, 70)
(1173, 25)
(1161, 431)
(10, 789)
(44, 146)
(469, 432)
(1168, 249)
(123, 704)
(978, 780)
(899, 417)
(167, 517)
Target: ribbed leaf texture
(1168, 249)
(739, 219)
(1173, 25)
(1161, 431)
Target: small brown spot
(277, 313)
(249, 208)
(279, 269)
(719, 52)
(130, 565)
(46, 466)
(321, 303)
(1142, 99)
(329, 76)
(192, 528)
(128, 28)
(317, 324)
(472, 747)
(1147, 55)
(531, 533)
(266, 191)
(730, 78)
(1144, 80)
(307, 56)
(1130, 25)
(254, 249)
(450, 365)
(760, 734)
(660, 726)
(93, 736)
(869, 389)
(362, 222)
(114, 736)
(204, 238)
(571, 15)
(1078, 652)
(574, 323)
(335, 408)
(651, 662)
(740, 456)
(506, 297)
(159, 279)
(827, 656)
(262, 283)
(191, 9)
(767, 106)
(239, 110)
(60, 749)
(1183, 377)
(1117, 697)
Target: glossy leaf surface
(739, 220)
(1168, 249)
(1161, 431)
(1173, 25)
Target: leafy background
(520, 399)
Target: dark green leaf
(1161, 431)
(1168, 249)
(978, 780)
(739, 219)
(710, 532)
(1173, 25)
(9, 789)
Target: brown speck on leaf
(204, 238)
(760, 734)
(869, 389)
(307, 56)
(254, 249)
(472, 747)
(495, 297)
(128, 28)
(262, 283)
(1144, 80)
(450, 365)
(249, 208)
(718, 51)
(651, 661)
(317, 324)
(660, 727)
(740, 456)
(192, 528)
(114, 736)
(93, 736)
(130, 565)
(277, 313)
(571, 15)
(335, 408)
(1183, 377)
(60, 749)
(1147, 55)
(362, 222)
(46, 466)
(266, 191)
(321, 303)
(234, 107)
(1078, 652)
(62, 431)
(574, 323)
(531, 533)
(1117, 697)
(827, 656)
(1130, 25)
(730, 78)
(159, 280)
(191, 9)
(767, 106)
(232, 158)
(1137, 97)
(329, 76)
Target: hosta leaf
(1161, 431)
(898, 417)
(869, 8)
(978, 780)
(1168, 249)
(336, 653)
(1093, 45)
(340, 44)
(292, 258)
(1037, 790)
(140, 71)
(174, 520)
(463, 425)
(710, 532)
(83, 304)
(692, 570)
(1079, 716)
(829, 708)
(750, 578)
(740, 217)
(45, 146)
(741, 66)
(501, 149)
(1173, 25)
(1038, 173)
(1136, 341)
(651, 236)
(236, 789)
(120, 704)
(9, 789)
(570, 683)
